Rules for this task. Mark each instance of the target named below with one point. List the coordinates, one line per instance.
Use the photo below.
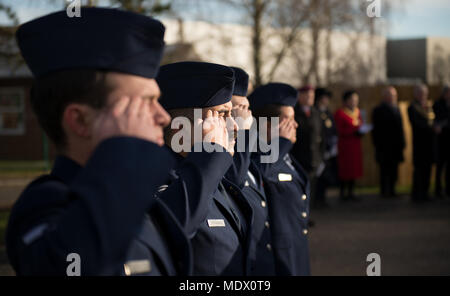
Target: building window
(12, 111)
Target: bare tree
(8, 50)
(149, 7)
(287, 16)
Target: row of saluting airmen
(122, 200)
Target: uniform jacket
(329, 133)
(247, 177)
(104, 212)
(287, 189)
(220, 227)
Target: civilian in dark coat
(389, 140)
(421, 116)
(442, 110)
(308, 150)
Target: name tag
(216, 223)
(284, 177)
(137, 266)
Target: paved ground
(411, 239)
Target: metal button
(304, 214)
(305, 231)
(263, 204)
(267, 224)
(304, 197)
(269, 247)
(126, 270)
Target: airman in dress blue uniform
(96, 98)
(220, 228)
(247, 177)
(285, 182)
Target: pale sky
(409, 19)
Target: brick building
(21, 137)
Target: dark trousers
(388, 178)
(346, 191)
(321, 188)
(421, 181)
(442, 166)
(312, 181)
(327, 179)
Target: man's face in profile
(135, 86)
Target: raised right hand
(130, 117)
(288, 129)
(214, 129)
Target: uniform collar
(65, 169)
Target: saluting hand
(214, 129)
(288, 129)
(233, 129)
(243, 116)
(130, 117)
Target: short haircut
(322, 93)
(418, 88)
(386, 91)
(51, 94)
(348, 94)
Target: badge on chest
(134, 267)
(283, 177)
(216, 223)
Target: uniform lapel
(224, 207)
(303, 176)
(182, 249)
(148, 235)
(255, 172)
(247, 213)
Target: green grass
(22, 165)
(3, 222)
(23, 169)
(366, 190)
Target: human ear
(78, 119)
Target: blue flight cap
(195, 85)
(273, 94)
(241, 84)
(101, 39)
